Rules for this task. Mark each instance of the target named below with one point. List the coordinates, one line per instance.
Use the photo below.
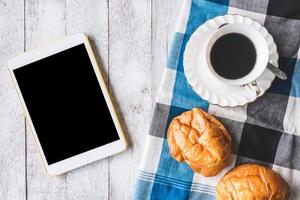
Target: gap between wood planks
(161, 31)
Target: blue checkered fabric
(266, 131)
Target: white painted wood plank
(90, 182)
(130, 77)
(12, 124)
(130, 83)
(164, 20)
(90, 17)
(45, 21)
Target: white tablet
(67, 104)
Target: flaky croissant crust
(200, 140)
(251, 181)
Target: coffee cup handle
(252, 87)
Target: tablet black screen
(66, 104)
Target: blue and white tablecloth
(266, 131)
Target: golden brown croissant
(250, 181)
(200, 140)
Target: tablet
(67, 105)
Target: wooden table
(132, 39)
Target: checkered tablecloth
(266, 131)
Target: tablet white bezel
(91, 155)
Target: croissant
(200, 140)
(251, 181)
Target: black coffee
(233, 56)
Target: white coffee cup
(261, 48)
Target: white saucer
(205, 83)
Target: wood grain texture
(131, 39)
(45, 22)
(91, 17)
(89, 182)
(12, 132)
(130, 81)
